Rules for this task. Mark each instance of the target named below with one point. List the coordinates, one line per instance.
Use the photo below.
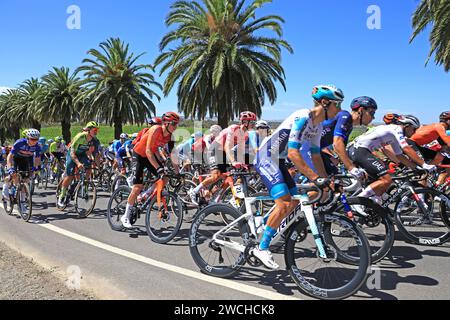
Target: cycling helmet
(262, 125)
(248, 116)
(409, 120)
(32, 134)
(445, 116)
(391, 118)
(134, 136)
(59, 139)
(124, 136)
(329, 92)
(24, 133)
(216, 130)
(198, 135)
(171, 117)
(92, 125)
(42, 140)
(364, 102)
(51, 141)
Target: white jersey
(383, 136)
(291, 134)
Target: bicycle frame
(299, 211)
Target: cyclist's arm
(443, 134)
(9, 160)
(151, 149)
(339, 148)
(404, 148)
(297, 159)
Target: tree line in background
(220, 55)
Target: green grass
(105, 134)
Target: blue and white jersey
(295, 131)
(341, 126)
(185, 149)
(127, 147)
(22, 149)
(116, 146)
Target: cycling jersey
(56, 147)
(427, 134)
(22, 149)
(341, 126)
(44, 148)
(81, 145)
(270, 159)
(157, 138)
(383, 136)
(254, 141)
(117, 144)
(232, 132)
(126, 148)
(185, 149)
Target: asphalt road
(127, 265)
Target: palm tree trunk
(36, 125)
(15, 132)
(65, 126)
(2, 136)
(118, 127)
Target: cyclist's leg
(70, 173)
(375, 169)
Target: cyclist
(256, 137)
(81, 148)
(336, 134)
(201, 146)
(301, 127)
(393, 135)
(58, 149)
(185, 150)
(149, 154)
(156, 121)
(123, 155)
(436, 135)
(221, 153)
(25, 156)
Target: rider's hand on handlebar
(358, 173)
(80, 166)
(429, 168)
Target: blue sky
(331, 41)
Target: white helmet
(134, 136)
(409, 120)
(262, 125)
(123, 136)
(33, 134)
(216, 130)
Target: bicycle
(82, 191)
(21, 196)
(163, 210)
(238, 239)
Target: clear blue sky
(331, 41)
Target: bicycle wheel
(45, 176)
(8, 205)
(24, 202)
(58, 192)
(428, 225)
(377, 226)
(116, 207)
(119, 181)
(104, 181)
(85, 198)
(189, 209)
(212, 258)
(163, 223)
(327, 279)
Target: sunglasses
(372, 113)
(34, 140)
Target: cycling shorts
(276, 177)
(365, 159)
(71, 165)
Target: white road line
(182, 271)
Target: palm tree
(31, 94)
(223, 61)
(60, 99)
(436, 13)
(9, 100)
(117, 89)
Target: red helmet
(248, 116)
(391, 118)
(155, 121)
(171, 117)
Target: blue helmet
(42, 140)
(365, 103)
(329, 92)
